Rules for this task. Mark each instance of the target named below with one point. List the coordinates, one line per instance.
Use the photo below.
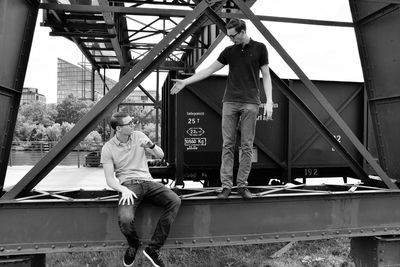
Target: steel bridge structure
(34, 222)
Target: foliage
(71, 109)
(327, 253)
(40, 122)
(37, 113)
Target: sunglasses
(131, 123)
(233, 36)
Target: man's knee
(126, 217)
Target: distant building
(30, 95)
(77, 80)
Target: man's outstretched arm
(180, 84)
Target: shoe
(129, 257)
(154, 257)
(224, 194)
(244, 192)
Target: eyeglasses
(233, 36)
(131, 124)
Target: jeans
(231, 113)
(157, 194)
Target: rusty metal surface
(81, 221)
(377, 29)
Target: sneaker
(244, 192)
(154, 257)
(129, 256)
(224, 194)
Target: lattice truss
(118, 34)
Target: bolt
(194, 241)
(308, 234)
(211, 240)
(277, 237)
(228, 239)
(85, 245)
(244, 238)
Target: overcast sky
(323, 53)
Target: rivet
(69, 245)
(373, 230)
(277, 237)
(292, 235)
(122, 244)
(244, 238)
(85, 245)
(104, 245)
(337, 232)
(323, 233)
(349, 231)
(53, 246)
(177, 242)
(261, 237)
(228, 239)
(193, 241)
(36, 247)
(362, 231)
(308, 234)
(19, 248)
(211, 240)
(1, 249)
(397, 228)
(385, 229)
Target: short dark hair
(238, 24)
(116, 119)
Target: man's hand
(127, 197)
(145, 142)
(178, 86)
(268, 110)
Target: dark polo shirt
(243, 83)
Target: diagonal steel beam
(323, 102)
(119, 92)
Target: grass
(320, 253)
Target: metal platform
(69, 221)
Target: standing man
(240, 102)
(124, 154)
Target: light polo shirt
(129, 159)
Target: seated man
(124, 154)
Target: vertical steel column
(17, 24)
(323, 102)
(377, 26)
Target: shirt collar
(118, 143)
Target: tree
(54, 132)
(71, 109)
(37, 113)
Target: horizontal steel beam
(43, 226)
(182, 13)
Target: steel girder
(377, 30)
(17, 20)
(72, 221)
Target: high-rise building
(30, 95)
(77, 80)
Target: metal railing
(30, 152)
